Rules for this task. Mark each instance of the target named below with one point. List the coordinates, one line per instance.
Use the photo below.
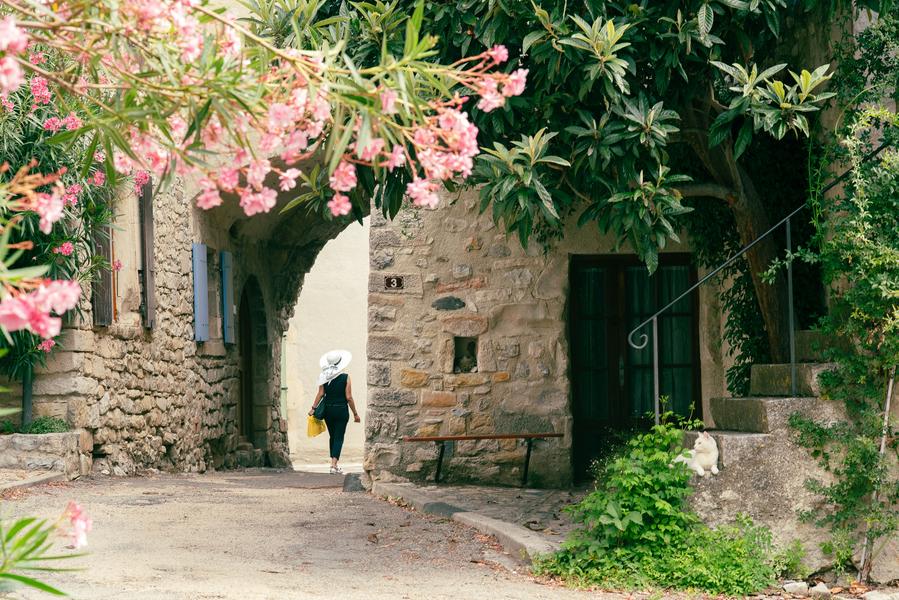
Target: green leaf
(34, 583)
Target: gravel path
(258, 535)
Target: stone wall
(465, 278)
(68, 453)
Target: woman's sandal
(336, 471)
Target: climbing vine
(859, 258)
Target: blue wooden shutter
(227, 297)
(201, 294)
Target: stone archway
(271, 254)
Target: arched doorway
(253, 406)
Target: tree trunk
(752, 222)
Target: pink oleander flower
(280, 117)
(258, 202)
(122, 163)
(81, 524)
(372, 150)
(340, 205)
(12, 38)
(11, 76)
(7, 104)
(46, 345)
(343, 179)
(232, 44)
(141, 178)
(209, 197)
(514, 86)
(396, 159)
(31, 311)
(99, 155)
(388, 101)
(53, 124)
(72, 122)
(229, 179)
(40, 90)
(116, 265)
(50, 208)
(490, 97)
(70, 197)
(66, 249)
(37, 58)
(423, 193)
(288, 179)
(498, 54)
(257, 171)
(98, 178)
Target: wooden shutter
(148, 261)
(101, 286)
(201, 294)
(227, 297)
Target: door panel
(612, 383)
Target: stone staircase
(763, 472)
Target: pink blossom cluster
(50, 208)
(80, 524)
(46, 345)
(13, 41)
(40, 91)
(31, 311)
(70, 123)
(70, 197)
(65, 248)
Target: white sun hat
(332, 363)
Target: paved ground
(259, 535)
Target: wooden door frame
(246, 352)
(617, 333)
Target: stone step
(244, 446)
(811, 346)
(734, 447)
(774, 380)
(759, 415)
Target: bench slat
(497, 436)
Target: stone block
(431, 399)
(385, 347)
(486, 356)
(462, 271)
(466, 380)
(552, 281)
(379, 374)
(448, 303)
(384, 238)
(63, 385)
(62, 361)
(390, 398)
(474, 283)
(412, 378)
(428, 430)
(77, 340)
(464, 325)
(501, 376)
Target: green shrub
(636, 531)
(46, 425)
(7, 426)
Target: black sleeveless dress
(337, 412)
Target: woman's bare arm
(349, 399)
(318, 397)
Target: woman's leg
(337, 436)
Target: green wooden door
(612, 388)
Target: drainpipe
(27, 386)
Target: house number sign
(393, 283)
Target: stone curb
(32, 481)
(519, 542)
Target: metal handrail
(644, 338)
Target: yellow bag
(314, 426)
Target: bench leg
(527, 462)
(442, 447)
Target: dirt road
(261, 535)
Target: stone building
(486, 337)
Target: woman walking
(336, 391)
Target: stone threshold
(26, 482)
(520, 542)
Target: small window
(465, 356)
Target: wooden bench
(441, 440)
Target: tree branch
(707, 190)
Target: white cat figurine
(704, 455)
